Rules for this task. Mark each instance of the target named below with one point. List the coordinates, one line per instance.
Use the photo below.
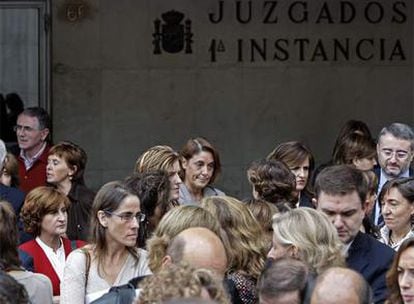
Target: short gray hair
(400, 131)
(3, 153)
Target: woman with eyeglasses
(397, 207)
(44, 216)
(112, 258)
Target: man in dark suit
(14, 196)
(341, 194)
(395, 149)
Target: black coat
(81, 199)
(372, 260)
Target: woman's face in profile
(406, 275)
(57, 170)
(278, 249)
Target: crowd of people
(341, 232)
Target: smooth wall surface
(244, 74)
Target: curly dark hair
(273, 181)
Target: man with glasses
(395, 149)
(32, 129)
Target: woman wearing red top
(44, 215)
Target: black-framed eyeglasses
(127, 217)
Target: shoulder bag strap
(87, 265)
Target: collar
(345, 248)
(385, 178)
(28, 162)
(386, 233)
(48, 249)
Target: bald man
(341, 286)
(199, 247)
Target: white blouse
(57, 259)
(385, 238)
(72, 287)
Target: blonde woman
(309, 236)
(176, 220)
(246, 245)
(263, 212)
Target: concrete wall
(116, 98)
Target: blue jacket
(372, 259)
(14, 196)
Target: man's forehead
(390, 140)
(350, 198)
(28, 119)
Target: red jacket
(36, 175)
(37, 261)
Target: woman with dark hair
(153, 191)
(400, 281)
(351, 127)
(200, 162)
(273, 182)
(356, 150)
(10, 174)
(38, 286)
(44, 216)
(112, 258)
(65, 169)
(367, 224)
(300, 161)
(397, 207)
(11, 291)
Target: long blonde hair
(247, 246)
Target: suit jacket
(14, 196)
(372, 259)
(306, 200)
